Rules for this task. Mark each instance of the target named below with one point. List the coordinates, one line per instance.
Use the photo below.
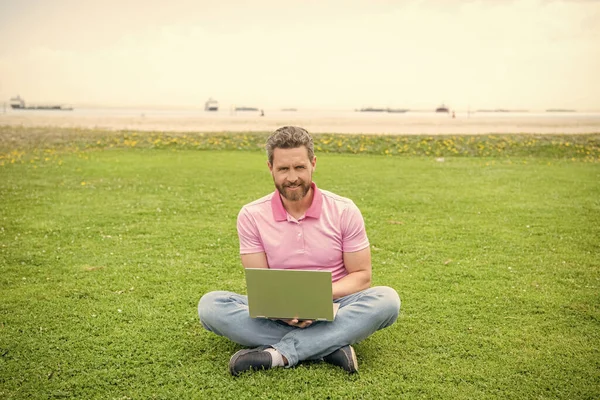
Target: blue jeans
(360, 315)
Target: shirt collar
(314, 211)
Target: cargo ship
(17, 103)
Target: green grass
(105, 252)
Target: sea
(314, 120)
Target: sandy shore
(348, 122)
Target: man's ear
(314, 162)
(270, 166)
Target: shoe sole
(354, 360)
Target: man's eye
(300, 167)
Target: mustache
(297, 183)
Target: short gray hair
(289, 137)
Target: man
(300, 226)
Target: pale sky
(529, 54)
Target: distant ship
(389, 110)
(442, 109)
(211, 105)
(246, 109)
(372, 109)
(17, 103)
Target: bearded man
(300, 226)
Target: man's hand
(298, 323)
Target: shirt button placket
(300, 237)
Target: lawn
(108, 240)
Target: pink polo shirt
(333, 225)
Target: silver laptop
(286, 293)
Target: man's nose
(292, 176)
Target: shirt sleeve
(250, 241)
(354, 234)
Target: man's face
(292, 172)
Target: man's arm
(255, 260)
(358, 265)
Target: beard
(294, 195)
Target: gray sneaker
(250, 359)
(344, 357)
